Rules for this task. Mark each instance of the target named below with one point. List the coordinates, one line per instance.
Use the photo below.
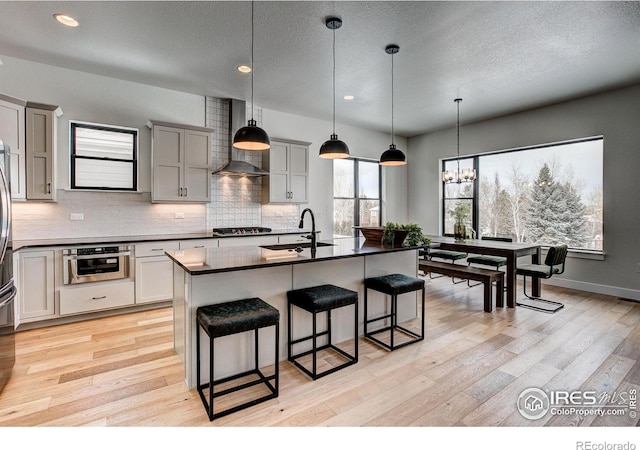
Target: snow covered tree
(574, 218)
(555, 212)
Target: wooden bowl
(374, 234)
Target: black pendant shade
(393, 157)
(334, 148)
(251, 137)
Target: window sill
(586, 254)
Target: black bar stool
(223, 319)
(317, 299)
(393, 285)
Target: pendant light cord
(392, 143)
(458, 100)
(252, 68)
(334, 81)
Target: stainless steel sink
(294, 246)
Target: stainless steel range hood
(236, 166)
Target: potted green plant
(415, 236)
(408, 235)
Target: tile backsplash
(104, 214)
(237, 201)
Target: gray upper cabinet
(41, 136)
(12, 134)
(181, 163)
(288, 165)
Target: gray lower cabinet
(154, 271)
(96, 297)
(36, 285)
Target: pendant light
(334, 148)
(466, 175)
(251, 137)
(393, 156)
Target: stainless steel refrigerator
(7, 285)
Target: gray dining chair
(553, 264)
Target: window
(458, 198)
(356, 195)
(549, 194)
(103, 157)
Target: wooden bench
(485, 276)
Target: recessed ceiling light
(349, 97)
(244, 69)
(66, 20)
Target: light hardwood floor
(469, 370)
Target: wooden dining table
(510, 250)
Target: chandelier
(459, 176)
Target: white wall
(615, 115)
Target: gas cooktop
(240, 231)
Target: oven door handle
(96, 256)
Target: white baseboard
(629, 294)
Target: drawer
(155, 248)
(94, 298)
(198, 243)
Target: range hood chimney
(236, 166)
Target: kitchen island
(205, 276)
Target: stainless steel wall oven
(89, 264)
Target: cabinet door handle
(99, 298)
(186, 194)
(48, 188)
(180, 193)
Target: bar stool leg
(277, 371)
(366, 316)
(315, 346)
(422, 312)
(289, 345)
(394, 319)
(255, 340)
(210, 378)
(355, 331)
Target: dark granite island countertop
(203, 261)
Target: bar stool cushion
(322, 298)
(237, 316)
(394, 284)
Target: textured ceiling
(500, 57)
